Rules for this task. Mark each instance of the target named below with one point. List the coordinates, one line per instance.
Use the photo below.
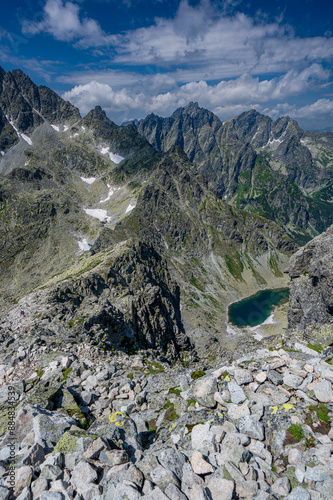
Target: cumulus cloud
(222, 46)
(316, 115)
(63, 22)
(226, 99)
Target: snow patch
(116, 158)
(84, 245)
(27, 139)
(55, 128)
(88, 180)
(3, 153)
(130, 207)
(98, 213)
(112, 190)
(113, 156)
(66, 127)
(38, 113)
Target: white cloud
(63, 22)
(316, 115)
(226, 99)
(221, 46)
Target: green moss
(197, 374)
(130, 376)
(322, 412)
(194, 281)
(191, 402)
(296, 431)
(175, 390)
(310, 442)
(40, 372)
(234, 265)
(315, 347)
(67, 444)
(66, 372)
(154, 367)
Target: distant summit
(24, 106)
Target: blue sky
(135, 57)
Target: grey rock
(83, 474)
(51, 472)
(275, 377)
(173, 460)
(219, 488)
(243, 376)
(25, 495)
(291, 380)
(156, 494)
(23, 478)
(299, 493)
(52, 495)
(163, 477)
(114, 457)
(37, 487)
(281, 486)
(204, 390)
(315, 474)
(251, 427)
(174, 493)
(126, 492)
(236, 392)
(323, 391)
(4, 493)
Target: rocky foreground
(90, 425)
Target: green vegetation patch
(235, 266)
(197, 374)
(170, 414)
(154, 367)
(297, 432)
(321, 411)
(175, 390)
(195, 282)
(66, 372)
(316, 347)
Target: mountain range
(152, 228)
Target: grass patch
(191, 402)
(170, 414)
(297, 432)
(130, 376)
(315, 347)
(322, 412)
(154, 367)
(175, 390)
(40, 372)
(197, 374)
(310, 442)
(195, 282)
(66, 372)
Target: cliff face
(24, 106)
(123, 298)
(311, 300)
(269, 167)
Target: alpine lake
(254, 310)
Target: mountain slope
(269, 167)
(24, 106)
(216, 253)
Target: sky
(135, 57)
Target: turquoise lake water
(254, 310)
